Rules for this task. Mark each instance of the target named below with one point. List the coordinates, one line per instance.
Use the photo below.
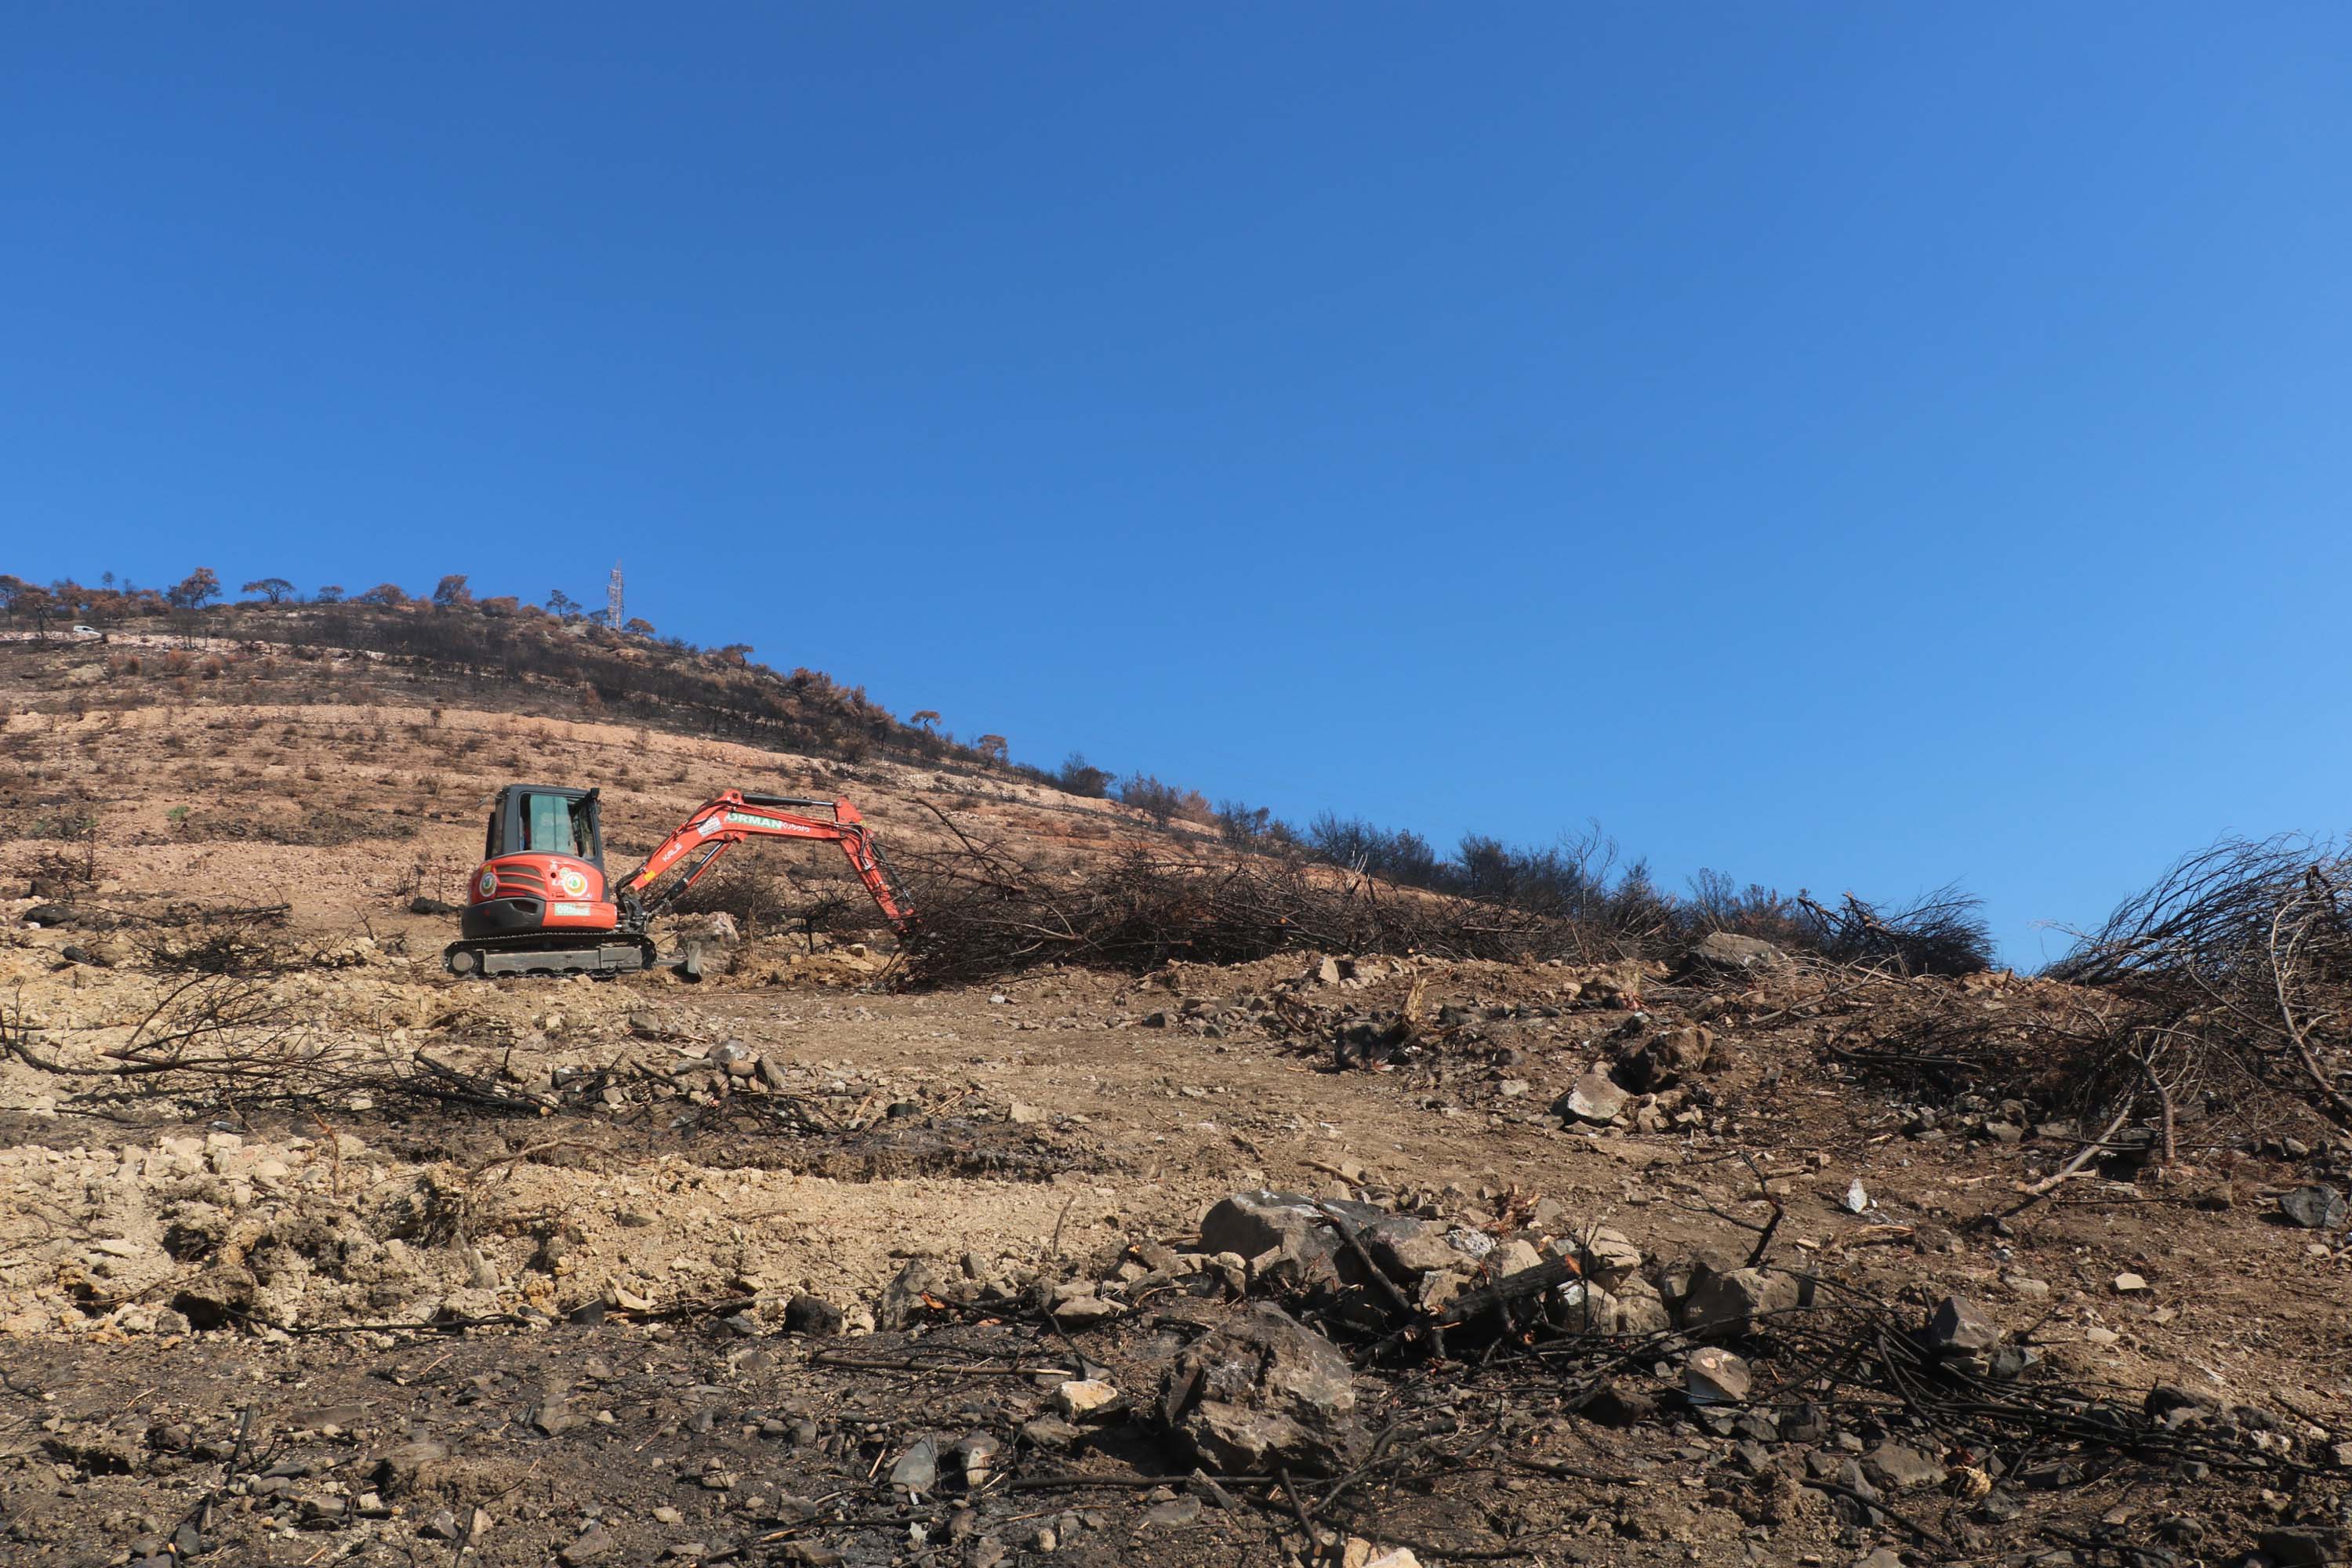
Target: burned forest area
(1153, 1201)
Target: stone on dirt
(1085, 1399)
(1733, 1299)
(917, 1470)
(1609, 1259)
(2303, 1546)
(1957, 1326)
(1620, 1402)
(1900, 1469)
(1716, 1377)
(1735, 954)
(398, 1469)
(1077, 1304)
(902, 1298)
(1295, 1229)
(2315, 1207)
(1594, 1099)
(810, 1315)
(1261, 1394)
(1667, 1058)
(592, 1545)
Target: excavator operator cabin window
(551, 827)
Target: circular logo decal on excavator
(575, 883)
(488, 883)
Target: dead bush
(2243, 949)
(983, 914)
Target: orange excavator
(540, 904)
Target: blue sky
(1847, 446)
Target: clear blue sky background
(1849, 445)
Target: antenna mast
(612, 599)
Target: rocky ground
(311, 1254)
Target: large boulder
(1725, 954)
(1262, 1394)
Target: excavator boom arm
(733, 815)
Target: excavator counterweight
(540, 902)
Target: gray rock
(1078, 1309)
(1734, 1299)
(1620, 1402)
(1050, 1433)
(1293, 1226)
(2315, 1208)
(2303, 1547)
(2170, 1405)
(400, 1470)
(554, 1416)
(1713, 1376)
(1404, 1246)
(1593, 1099)
(917, 1470)
(1899, 1468)
(1608, 1258)
(593, 1545)
(902, 1298)
(1666, 1059)
(1734, 955)
(1957, 1326)
(735, 1058)
(809, 1315)
(1174, 1513)
(1261, 1394)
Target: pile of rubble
(1296, 1317)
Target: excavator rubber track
(619, 953)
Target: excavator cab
(540, 898)
(548, 818)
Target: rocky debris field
(1359, 1260)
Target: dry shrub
(2242, 951)
(981, 915)
(1942, 933)
(759, 893)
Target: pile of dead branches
(1942, 933)
(220, 1042)
(986, 915)
(2242, 952)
